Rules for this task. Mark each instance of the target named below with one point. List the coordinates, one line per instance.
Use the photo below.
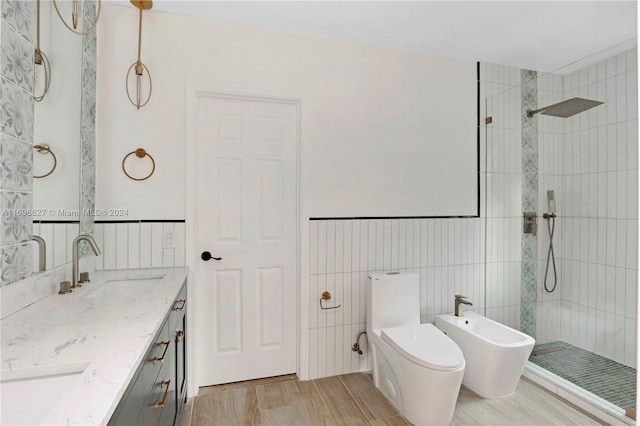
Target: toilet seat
(425, 345)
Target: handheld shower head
(552, 201)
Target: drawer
(157, 356)
(159, 397)
(168, 415)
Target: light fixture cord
(38, 25)
(139, 65)
(140, 34)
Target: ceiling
(548, 36)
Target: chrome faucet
(76, 256)
(42, 252)
(460, 299)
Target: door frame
(225, 90)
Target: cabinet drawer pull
(157, 360)
(180, 336)
(183, 301)
(160, 404)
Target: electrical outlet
(168, 241)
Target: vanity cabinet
(179, 325)
(157, 392)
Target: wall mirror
(64, 121)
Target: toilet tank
(393, 299)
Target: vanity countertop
(107, 327)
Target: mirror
(64, 120)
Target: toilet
(417, 367)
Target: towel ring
(140, 153)
(44, 149)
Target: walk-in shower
(574, 286)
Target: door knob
(207, 256)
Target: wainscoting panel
(448, 255)
(126, 245)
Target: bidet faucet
(76, 256)
(460, 299)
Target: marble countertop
(105, 326)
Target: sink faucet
(42, 252)
(460, 299)
(76, 256)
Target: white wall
(386, 132)
(378, 138)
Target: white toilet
(415, 366)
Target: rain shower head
(566, 109)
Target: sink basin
(137, 279)
(124, 288)
(27, 395)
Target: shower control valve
(530, 223)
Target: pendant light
(138, 100)
(75, 15)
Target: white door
(246, 214)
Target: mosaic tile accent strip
(88, 145)
(529, 247)
(88, 179)
(601, 376)
(86, 219)
(88, 150)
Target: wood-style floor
(352, 399)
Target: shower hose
(551, 225)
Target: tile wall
(550, 152)
(448, 254)
(594, 173)
(58, 237)
(16, 137)
(140, 245)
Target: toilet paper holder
(326, 296)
